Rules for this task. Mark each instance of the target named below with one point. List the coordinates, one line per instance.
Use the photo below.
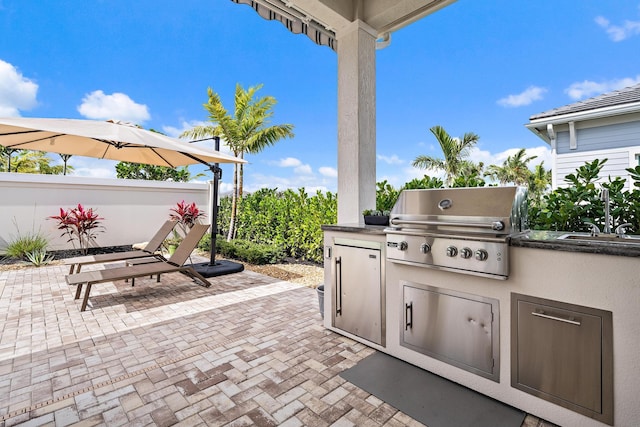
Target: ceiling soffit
(321, 20)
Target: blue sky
(475, 66)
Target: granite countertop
(538, 239)
(542, 239)
(355, 228)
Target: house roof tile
(618, 97)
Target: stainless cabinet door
(450, 328)
(357, 303)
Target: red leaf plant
(186, 214)
(79, 224)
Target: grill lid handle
(493, 225)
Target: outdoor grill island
(457, 286)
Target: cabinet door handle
(408, 316)
(338, 285)
(542, 314)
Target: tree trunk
(234, 205)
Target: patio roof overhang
(354, 29)
(322, 20)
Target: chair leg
(78, 291)
(71, 268)
(86, 298)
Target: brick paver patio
(250, 350)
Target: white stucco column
(356, 121)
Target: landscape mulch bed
(293, 270)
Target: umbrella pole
(217, 174)
(213, 267)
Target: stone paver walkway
(250, 350)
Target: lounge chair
(173, 264)
(149, 250)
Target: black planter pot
(376, 219)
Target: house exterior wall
(133, 210)
(617, 161)
(619, 142)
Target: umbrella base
(220, 268)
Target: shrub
(79, 223)
(39, 257)
(23, 245)
(568, 208)
(254, 253)
(186, 214)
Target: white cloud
(289, 162)
(589, 88)
(100, 106)
(329, 172)
(619, 33)
(175, 132)
(16, 91)
(530, 94)
(303, 170)
(392, 160)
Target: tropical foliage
(456, 152)
(126, 170)
(288, 219)
(247, 130)
(568, 208)
(27, 161)
(514, 170)
(186, 215)
(24, 244)
(79, 224)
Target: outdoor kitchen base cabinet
(357, 289)
(563, 353)
(454, 327)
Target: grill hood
(493, 210)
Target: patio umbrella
(111, 140)
(115, 140)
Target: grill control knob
(452, 251)
(481, 255)
(466, 253)
(403, 246)
(425, 248)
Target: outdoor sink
(607, 238)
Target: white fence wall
(133, 210)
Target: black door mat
(429, 398)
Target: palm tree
(247, 130)
(455, 150)
(513, 170)
(27, 161)
(539, 182)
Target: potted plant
(172, 243)
(375, 217)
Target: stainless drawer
(563, 353)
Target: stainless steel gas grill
(464, 230)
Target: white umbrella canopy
(111, 140)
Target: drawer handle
(408, 316)
(559, 319)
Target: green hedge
(289, 219)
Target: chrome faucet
(604, 196)
(621, 230)
(594, 228)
